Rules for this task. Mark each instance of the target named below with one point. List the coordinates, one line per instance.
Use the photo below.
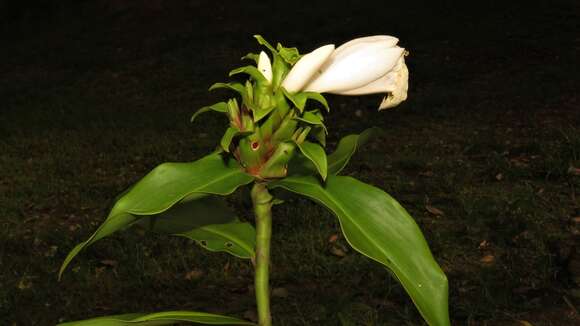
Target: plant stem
(262, 201)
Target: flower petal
(306, 68)
(387, 40)
(265, 66)
(356, 67)
(399, 94)
(387, 83)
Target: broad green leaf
(228, 137)
(237, 238)
(346, 148)
(210, 222)
(299, 99)
(377, 226)
(164, 186)
(315, 153)
(160, 318)
(221, 107)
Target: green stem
(262, 201)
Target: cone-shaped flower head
(366, 65)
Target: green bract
(276, 139)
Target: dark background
(93, 94)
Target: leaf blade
(218, 107)
(378, 227)
(315, 153)
(210, 222)
(346, 148)
(159, 318)
(237, 238)
(228, 137)
(163, 187)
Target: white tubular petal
(399, 94)
(356, 67)
(306, 68)
(382, 85)
(389, 41)
(385, 84)
(265, 66)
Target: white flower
(367, 65)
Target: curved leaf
(221, 107)
(210, 222)
(251, 56)
(163, 187)
(265, 43)
(252, 71)
(378, 227)
(238, 238)
(315, 153)
(159, 318)
(228, 137)
(237, 87)
(346, 148)
(299, 99)
(311, 117)
(319, 133)
(265, 104)
(290, 55)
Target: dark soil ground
(485, 155)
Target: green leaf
(237, 87)
(313, 118)
(237, 238)
(210, 222)
(159, 318)
(266, 104)
(346, 148)
(228, 137)
(265, 43)
(252, 71)
(164, 186)
(221, 107)
(290, 55)
(319, 133)
(377, 226)
(252, 56)
(249, 91)
(315, 153)
(299, 99)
